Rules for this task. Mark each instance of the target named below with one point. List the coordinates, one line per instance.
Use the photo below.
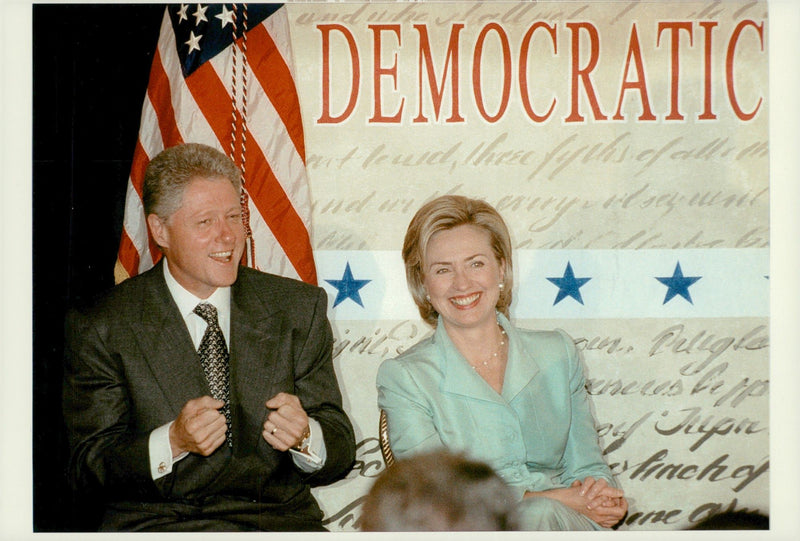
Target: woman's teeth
(464, 301)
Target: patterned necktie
(214, 357)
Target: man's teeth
(464, 301)
(222, 255)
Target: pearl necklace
(496, 354)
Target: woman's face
(462, 276)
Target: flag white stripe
(134, 219)
(278, 27)
(270, 133)
(150, 139)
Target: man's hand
(286, 424)
(200, 427)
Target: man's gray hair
(168, 174)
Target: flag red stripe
(268, 196)
(213, 100)
(128, 255)
(263, 187)
(273, 74)
(140, 161)
(159, 92)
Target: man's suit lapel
(167, 346)
(255, 332)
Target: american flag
(222, 76)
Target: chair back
(383, 438)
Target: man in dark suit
(176, 430)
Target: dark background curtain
(91, 65)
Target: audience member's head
(734, 520)
(439, 491)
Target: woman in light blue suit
(513, 398)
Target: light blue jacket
(538, 434)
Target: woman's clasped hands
(605, 505)
(594, 498)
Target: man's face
(204, 239)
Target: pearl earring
(501, 285)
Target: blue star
(348, 287)
(568, 285)
(678, 284)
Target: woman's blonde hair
(441, 214)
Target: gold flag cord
(239, 119)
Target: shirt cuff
(314, 460)
(160, 450)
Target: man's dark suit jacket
(130, 368)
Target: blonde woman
(513, 398)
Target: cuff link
(303, 445)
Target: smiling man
(201, 395)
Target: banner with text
(626, 145)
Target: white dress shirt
(161, 459)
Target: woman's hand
(604, 500)
(595, 499)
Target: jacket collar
(166, 344)
(459, 378)
(522, 365)
(256, 331)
